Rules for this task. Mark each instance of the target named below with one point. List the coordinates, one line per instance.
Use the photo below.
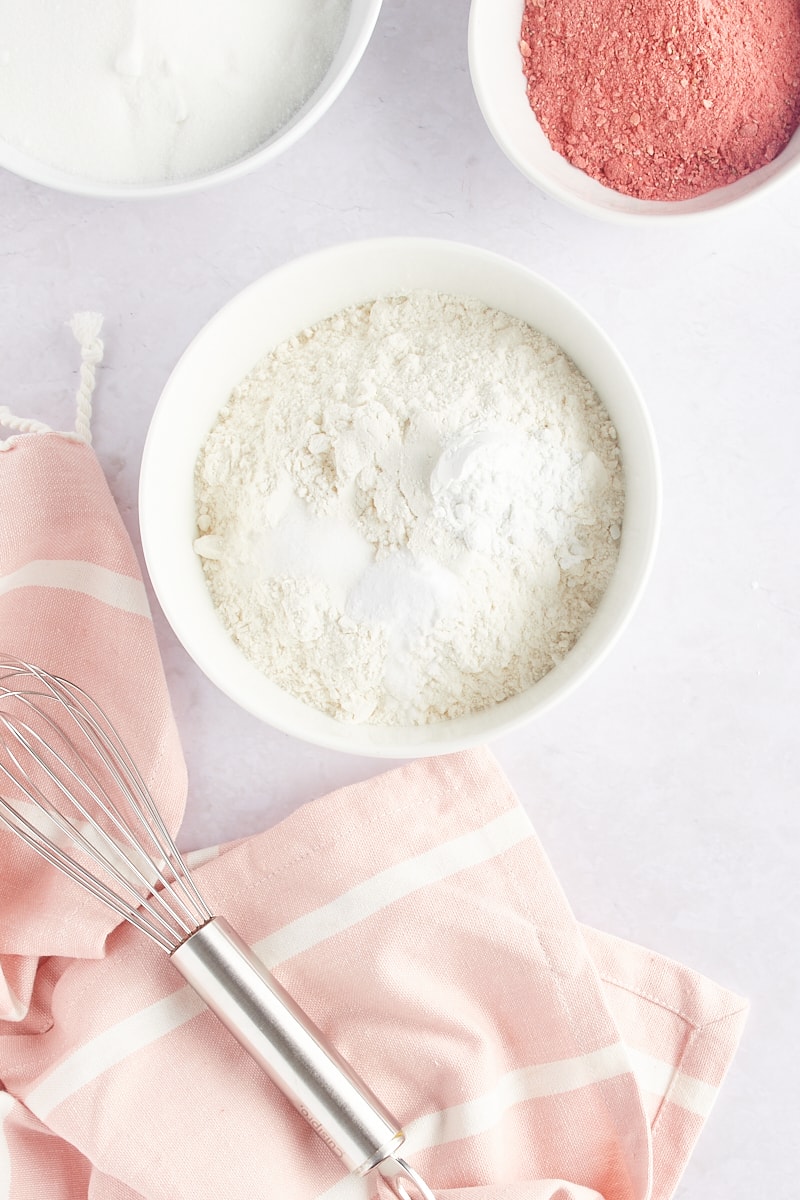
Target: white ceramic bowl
(360, 25)
(499, 83)
(292, 298)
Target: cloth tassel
(86, 328)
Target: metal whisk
(71, 791)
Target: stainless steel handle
(276, 1032)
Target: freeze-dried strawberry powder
(664, 99)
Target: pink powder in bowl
(664, 99)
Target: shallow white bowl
(360, 25)
(292, 298)
(499, 83)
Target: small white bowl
(499, 83)
(360, 25)
(298, 295)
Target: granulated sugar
(664, 99)
(144, 91)
(410, 511)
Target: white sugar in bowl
(142, 91)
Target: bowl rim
(149, 511)
(39, 172)
(671, 213)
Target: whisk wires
(75, 790)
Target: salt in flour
(411, 511)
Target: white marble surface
(666, 790)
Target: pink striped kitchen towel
(415, 917)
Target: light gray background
(665, 791)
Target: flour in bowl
(410, 511)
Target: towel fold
(414, 917)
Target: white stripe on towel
(141, 1030)
(14, 1009)
(478, 846)
(112, 1047)
(531, 1083)
(662, 1079)
(487, 1111)
(114, 589)
(526, 1083)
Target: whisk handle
(294, 1053)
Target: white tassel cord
(86, 327)
(21, 424)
